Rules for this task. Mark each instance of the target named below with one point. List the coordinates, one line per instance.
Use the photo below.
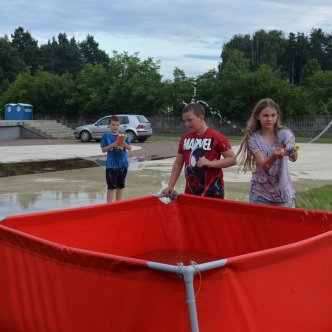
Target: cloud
(182, 30)
(202, 56)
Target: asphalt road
(48, 149)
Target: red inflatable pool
(143, 265)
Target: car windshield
(142, 119)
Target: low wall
(14, 129)
(9, 132)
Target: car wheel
(141, 139)
(85, 136)
(131, 135)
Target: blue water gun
(290, 149)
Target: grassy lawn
(168, 137)
(319, 140)
(316, 199)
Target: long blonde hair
(247, 160)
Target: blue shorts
(255, 199)
(115, 178)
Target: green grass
(165, 137)
(315, 199)
(319, 140)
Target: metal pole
(188, 272)
(188, 276)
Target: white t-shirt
(274, 185)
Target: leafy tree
(10, 61)
(293, 100)
(134, 84)
(319, 88)
(264, 83)
(91, 95)
(289, 56)
(178, 93)
(4, 85)
(47, 57)
(269, 48)
(298, 52)
(51, 93)
(240, 89)
(243, 43)
(18, 91)
(321, 48)
(27, 47)
(232, 90)
(207, 86)
(91, 53)
(47, 92)
(289, 59)
(311, 68)
(294, 71)
(62, 56)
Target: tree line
(77, 79)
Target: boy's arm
(228, 160)
(108, 147)
(127, 146)
(176, 171)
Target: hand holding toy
(290, 149)
(119, 141)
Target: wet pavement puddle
(68, 188)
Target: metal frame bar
(188, 273)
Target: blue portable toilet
(18, 111)
(10, 111)
(26, 111)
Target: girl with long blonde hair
(263, 151)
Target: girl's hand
(293, 156)
(278, 154)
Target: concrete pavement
(314, 162)
(25, 153)
(57, 188)
(25, 150)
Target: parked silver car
(137, 128)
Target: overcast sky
(187, 34)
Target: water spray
(319, 135)
(214, 113)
